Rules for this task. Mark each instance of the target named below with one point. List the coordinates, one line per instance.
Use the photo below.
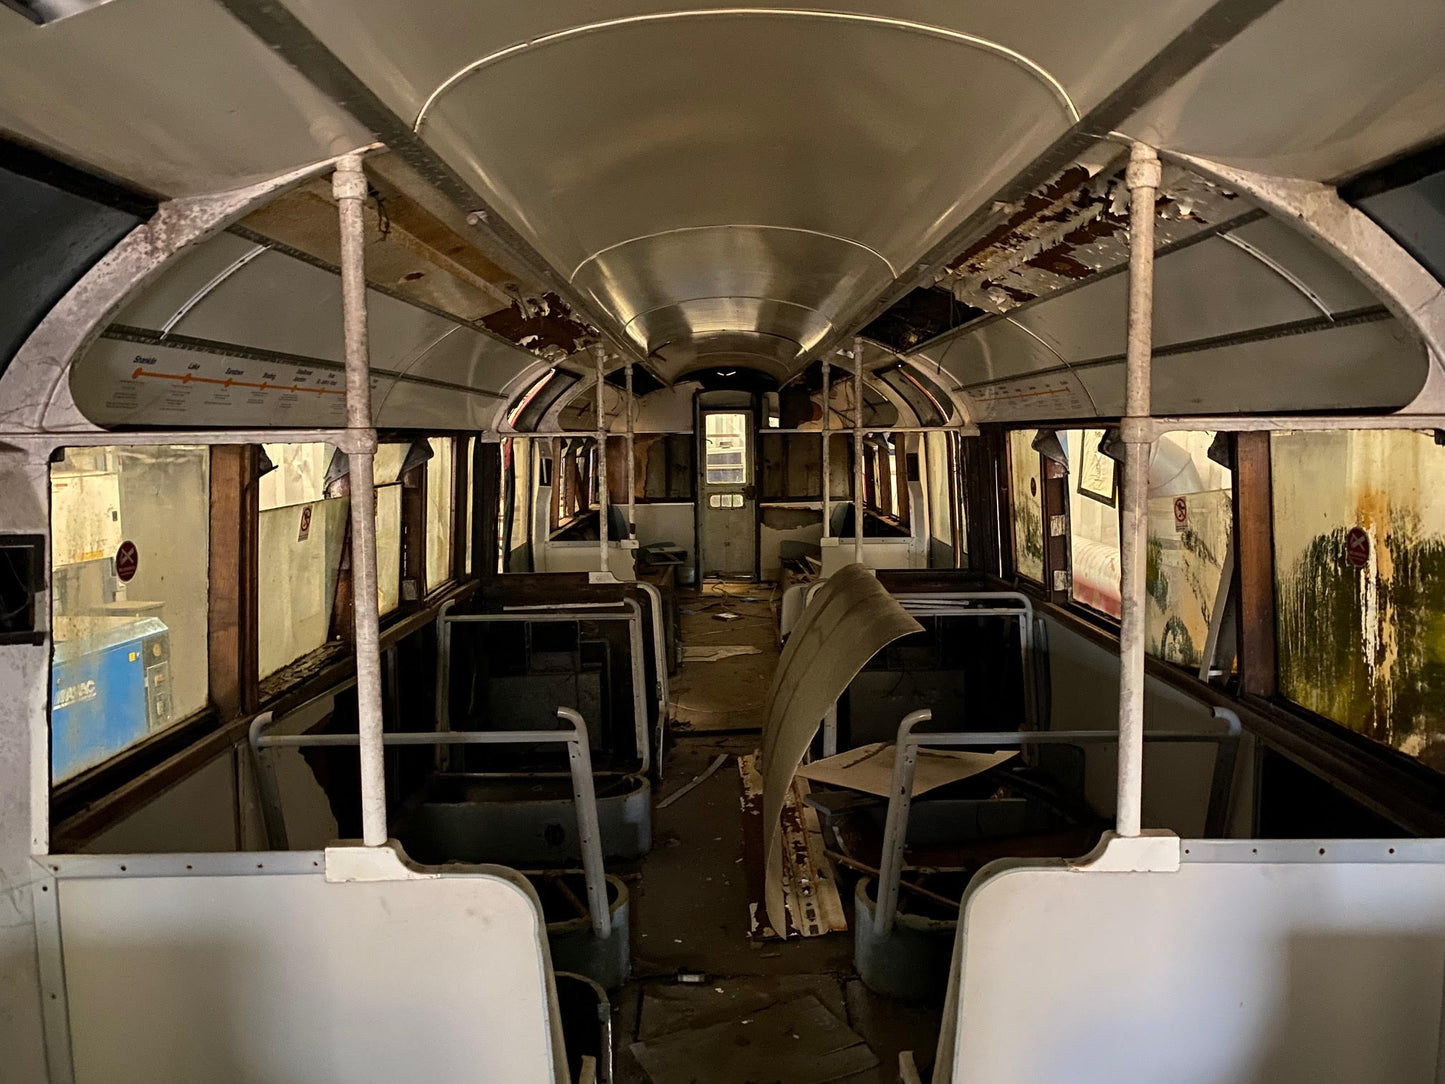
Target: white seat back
(257, 968)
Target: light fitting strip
(1035, 69)
(736, 226)
(1280, 270)
(201, 294)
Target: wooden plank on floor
(797, 1041)
(810, 890)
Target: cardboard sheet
(869, 768)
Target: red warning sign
(127, 560)
(1181, 514)
(1357, 547)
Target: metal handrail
(579, 756)
(905, 763)
(659, 663)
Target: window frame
(1384, 780)
(95, 799)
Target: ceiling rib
(735, 226)
(1280, 270)
(1037, 70)
(1218, 26)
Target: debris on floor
(810, 893)
(697, 780)
(715, 652)
(797, 1041)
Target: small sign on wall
(305, 531)
(127, 561)
(1357, 547)
(1181, 514)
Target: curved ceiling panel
(823, 273)
(997, 350)
(1210, 288)
(172, 95)
(406, 51)
(778, 322)
(1361, 367)
(845, 129)
(821, 139)
(775, 355)
(1345, 87)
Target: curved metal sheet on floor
(849, 621)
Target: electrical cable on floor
(697, 780)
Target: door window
(726, 445)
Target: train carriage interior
(628, 543)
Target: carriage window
(439, 522)
(1190, 519)
(1191, 516)
(1359, 538)
(520, 450)
(130, 536)
(1093, 521)
(299, 542)
(471, 462)
(1028, 505)
(389, 461)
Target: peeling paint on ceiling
(1072, 228)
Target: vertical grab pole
(348, 185)
(631, 457)
(599, 354)
(858, 450)
(827, 469)
(1143, 178)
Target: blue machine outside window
(129, 556)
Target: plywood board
(869, 768)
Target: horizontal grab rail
(905, 764)
(584, 795)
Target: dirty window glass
(1093, 521)
(1191, 517)
(300, 537)
(1189, 525)
(439, 525)
(1028, 505)
(1359, 535)
(388, 547)
(521, 502)
(471, 498)
(130, 534)
(725, 448)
